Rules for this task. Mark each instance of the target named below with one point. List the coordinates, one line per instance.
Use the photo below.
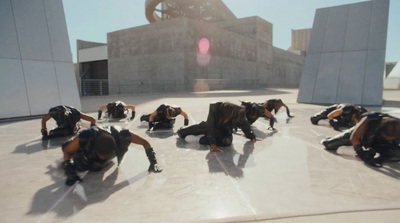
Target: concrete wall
(300, 40)
(346, 55)
(286, 70)
(164, 56)
(35, 58)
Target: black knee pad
(204, 140)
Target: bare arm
(152, 116)
(287, 110)
(140, 141)
(131, 107)
(44, 120)
(88, 118)
(335, 114)
(184, 115)
(358, 132)
(266, 112)
(102, 107)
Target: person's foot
(142, 118)
(180, 134)
(314, 120)
(325, 142)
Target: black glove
(271, 123)
(151, 155)
(151, 125)
(99, 115)
(72, 177)
(366, 155)
(133, 115)
(288, 113)
(186, 122)
(45, 136)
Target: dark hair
(104, 144)
(391, 127)
(253, 110)
(357, 114)
(230, 111)
(170, 111)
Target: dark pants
(63, 131)
(159, 123)
(342, 139)
(322, 115)
(223, 138)
(388, 151)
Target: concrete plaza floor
(286, 177)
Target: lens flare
(204, 45)
(203, 59)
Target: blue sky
(91, 20)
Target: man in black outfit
(375, 133)
(164, 117)
(94, 148)
(340, 115)
(217, 130)
(117, 110)
(67, 119)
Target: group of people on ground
(92, 149)
(375, 136)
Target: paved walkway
(286, 177)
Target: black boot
(335, 142)
(315, 119)
(144, 118)
(198, 129)
(72, 177)
(154, 167)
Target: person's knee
(204, 140)
(227, 142)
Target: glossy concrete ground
(286, 177)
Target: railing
(94, 87)
(106, 87)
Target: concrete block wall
(164, 55)
(286, 70)
(146, 55)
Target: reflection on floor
(278, 179)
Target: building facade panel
(13, 89)
(352, 77)
(9, 47)
(32, 29)
(328, 78)
(358, 26)
(335, 31)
